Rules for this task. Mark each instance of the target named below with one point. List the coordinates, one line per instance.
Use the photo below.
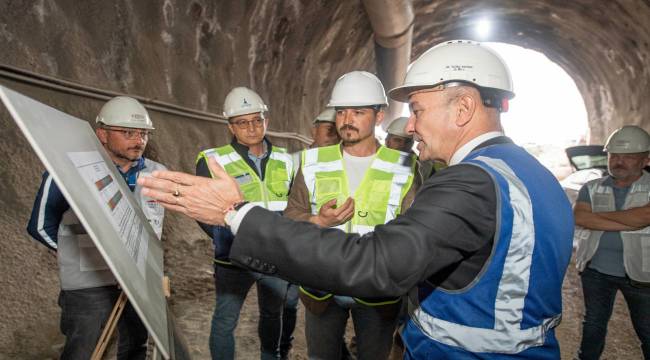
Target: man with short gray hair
(613, 236)
(481, 251)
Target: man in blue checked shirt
(88, 288)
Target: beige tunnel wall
(188, 53)
(191, 52)
(603, 45)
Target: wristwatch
(230, 215)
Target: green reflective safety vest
(377, 200)
(273, 192)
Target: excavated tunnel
(181, 57)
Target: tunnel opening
(189, 54)
(548, 113)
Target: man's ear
(313, 131)
(102, 135)
(467, 103)
(379, 117)
(230, 127)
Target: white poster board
(103, 203)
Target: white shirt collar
(464, 150)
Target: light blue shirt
(258, 159)
(608, 258)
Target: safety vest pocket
(327, 189)
(251, 191)
(638, 199)
(280, 189)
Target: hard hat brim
(126, 125)
(401, 93)
(340, 104)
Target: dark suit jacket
(445, 238)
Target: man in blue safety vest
(483, 249)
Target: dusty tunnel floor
(193, 302)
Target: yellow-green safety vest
(377, 200)
(272, 193)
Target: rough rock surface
(191, 52)
(603, 45)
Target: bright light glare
(483, 28)
(548, 108)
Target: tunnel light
(483, 28)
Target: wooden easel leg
(109, 328)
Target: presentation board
(102, 201)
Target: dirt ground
(193, 302)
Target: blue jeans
(289, 316)
(373, 327)
(232, 286)
(84, 313)
(599, 293)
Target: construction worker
(396, 136)
(264, 173)
(88, 288)
(331, 176)
(612, 227)
(323, 131)
(483, 249)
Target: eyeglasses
(244, 124)
(132, 134)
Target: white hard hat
(358, 88)
(242, 101)
(628, 140)
(124, 111)
(328, 115)
(462, 61)
(398, 127)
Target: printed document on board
(97, 176)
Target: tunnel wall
(603, 45)
(192, 52)
(188, 53)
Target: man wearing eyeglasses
(88, 288)
(264, 173)
(483, 249)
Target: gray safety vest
(636, 244)
(81, 266)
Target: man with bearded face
(481, 251)
(343, 186)
(612, 218)
(88, 288)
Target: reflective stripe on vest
(506, 336)
(272, 193)
(377, 199)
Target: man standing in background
(88, 288)
(612, 218)
(264, 173)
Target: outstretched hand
(330, 215)
(200, 198)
